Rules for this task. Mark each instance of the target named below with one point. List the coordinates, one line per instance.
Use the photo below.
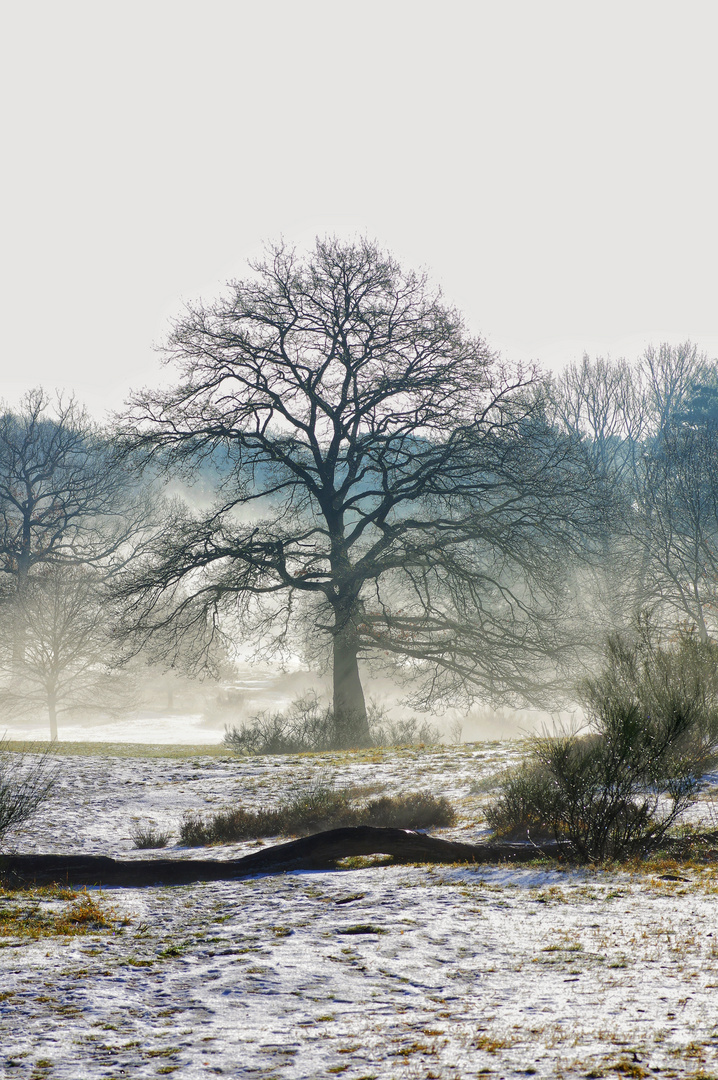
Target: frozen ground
(385, 972)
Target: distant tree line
(652, 430)
(377, 491)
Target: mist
(71, 653)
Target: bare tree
(675, 519)
(678, 512)
(382, 475)
(70, 659)
(670, 373)
(603, 402)
(69, 517)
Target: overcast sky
(551, 164)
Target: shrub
(385, 732)
(616, 792)
(674, 689)
(321, 807)
(25, 783)
(308, 726)
(524, 808)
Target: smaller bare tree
(70, 517)
(69, 662)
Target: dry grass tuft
(324, 807)
(147, 836)
(27, 914)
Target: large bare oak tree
(385, 481)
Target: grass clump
(322, 807)
(308, 727)
(362, 928)
(25, 783)
(615, 793)
(147, 836)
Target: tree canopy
(64, 498)
(388, 485)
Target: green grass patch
(121, 749)
(181, 752)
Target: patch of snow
(384, 972)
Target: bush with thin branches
(308, 726)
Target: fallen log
(321, 851)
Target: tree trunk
(52, 712)
(351, 724)
(19, 644)
(19, 632)
(700, 620)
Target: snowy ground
(385, 972)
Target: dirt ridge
(320, 851)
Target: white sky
(552, 164)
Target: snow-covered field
(380, 971)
